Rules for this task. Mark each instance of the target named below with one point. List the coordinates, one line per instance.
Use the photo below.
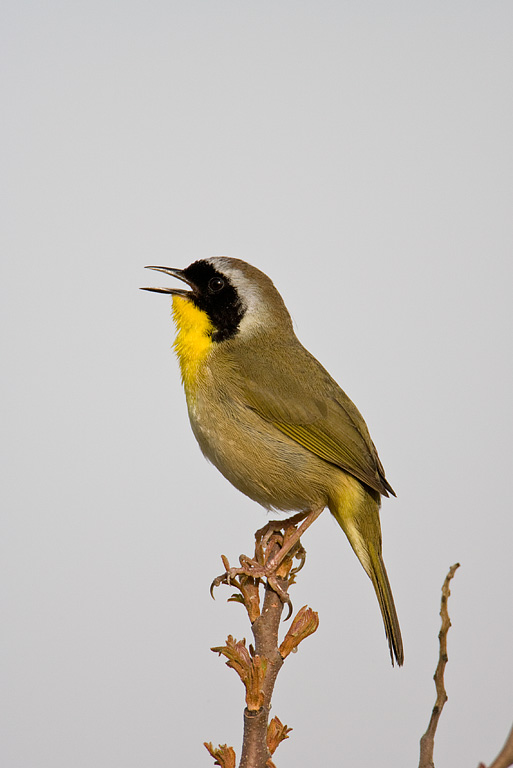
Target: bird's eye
(216, 284)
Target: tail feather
(357, 512)
(381, 584)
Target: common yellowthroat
(269, 416)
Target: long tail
(358, 516)
(381, 583)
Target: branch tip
(277, 545)
(427, 742)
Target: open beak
(174, 291)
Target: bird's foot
(248, 576)
(277, 544)
(249, 569)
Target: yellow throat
(193, 340)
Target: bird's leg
(274, 528)
(292, 535)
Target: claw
(224, 578)
(299, 554)
(216, 583)
(285, 599)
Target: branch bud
(250, 667)
(223, 756)
(304, 624)
(276, 733)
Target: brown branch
(258, 666)
(505, 757)
(427, 742)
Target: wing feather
(310, 408)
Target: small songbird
(269, 416)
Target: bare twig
(427, 742)
(258, 666)
(505, 757)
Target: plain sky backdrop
(358, 152)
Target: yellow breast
(193, 340)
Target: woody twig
(427, 742)
(258, 665)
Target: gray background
(358, 152)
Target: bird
(269, 416)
